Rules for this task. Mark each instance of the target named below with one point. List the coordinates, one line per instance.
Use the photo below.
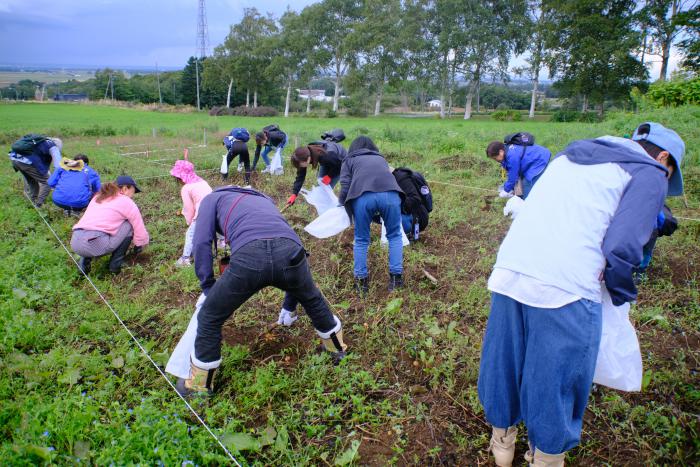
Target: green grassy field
(75, 389)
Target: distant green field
(76, 390)
(11, 77)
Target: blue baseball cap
(125, 180)
(668, 140)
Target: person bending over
(594, 208)
(522, 159)
(194, 189)
(368, 189)
(271, 137)
(265, 251)
(325, 155)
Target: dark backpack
(241, 134)
(421, 187)
(519, 139)
(27, 143)
(336, 135)
(273, 127)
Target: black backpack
(422, 187)
(273, 127)
(519, 139)
(27, 143)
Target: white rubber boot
(503, 445)
(541, 459)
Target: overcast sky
(116, 33)
(126, 33)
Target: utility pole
(202, 42)
(160, 96)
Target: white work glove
(513, 206)
(240, 167)
(505, 194)
(287, 318)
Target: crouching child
(265, 251)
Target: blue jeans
(388, 205)
(527, 185)
(407, 223)
(537, 366)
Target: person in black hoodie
(326, 154)
(265, 251)
(368, 189)
(413, 211)
(270, 137)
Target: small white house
(434, 104)
(318, 95)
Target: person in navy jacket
(265, 251)
(581, 232)
(327, 155)
(74, 184)
(524, 164)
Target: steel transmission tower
(202, 42)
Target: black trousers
(279, 262)
(239, 149)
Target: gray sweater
(365, 171)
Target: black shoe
(85, 264)
(362, 285)
(395, 281)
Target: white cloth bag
(330, 223)
(321, 197)
(179, 362)
(619, 364)
(385, 241)
(276, 163)
(224, 164)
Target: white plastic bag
(619, 364)
(321, 197)
(513, 206)
(385, 241)
(224, 164)
(179, 362)
(331, 222)
(276, 163)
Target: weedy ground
(75, 389)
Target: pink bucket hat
(184, 170)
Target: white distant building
(315, 95)
(434, 104)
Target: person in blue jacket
(35, 167)
(524, 163)
(74, 184)
(580, 232)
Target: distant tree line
(406, 52)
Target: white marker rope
(155, 365)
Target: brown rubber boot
(199, 383)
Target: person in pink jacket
(194, 189)
(110, 223)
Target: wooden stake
(430, 277)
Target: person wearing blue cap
(664, 145)
(580, 231)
